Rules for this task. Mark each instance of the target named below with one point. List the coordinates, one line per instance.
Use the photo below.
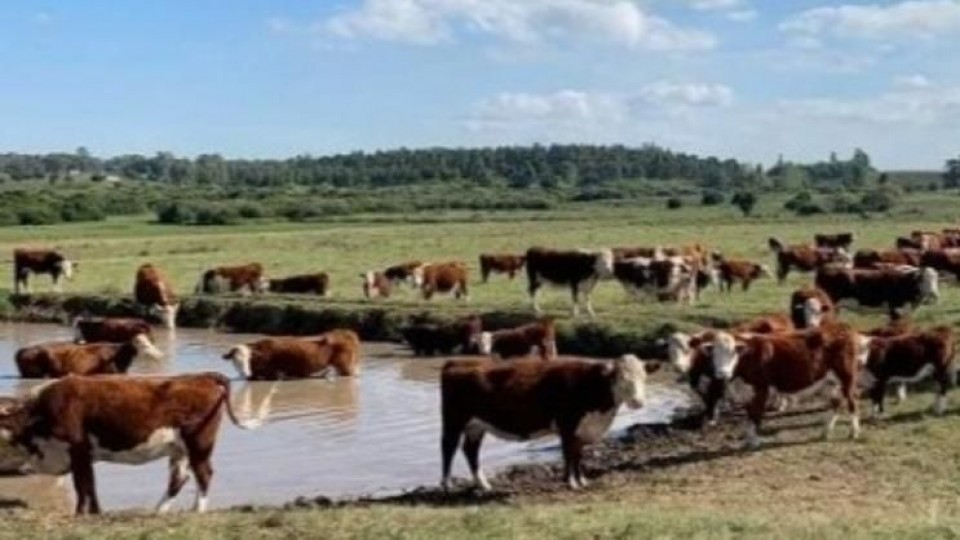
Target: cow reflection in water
(336, 400)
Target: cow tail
(225, 399)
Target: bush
(878, 200)
(745, 201)
(82, 209)
(176, 213)
(712, 197)
(674, 203)
(844, 204)
(808, 209)
(38, 215)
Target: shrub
(800, 199)
(745, 201)
(674, 203)
(711, 197)
(38, 215)
(808, 209)
(877, 200)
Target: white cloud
(743, 15)
(715, 5)
(924, 105)
(670, 94)
(913, 81)
(909, 19)
(427, 22)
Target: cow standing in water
(40, 261)
(152, 290)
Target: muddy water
(377, 433)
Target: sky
(747, 79)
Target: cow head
(13, 419)
(416, 276)
(603, 266)
(863, 349)
(167, 314)
(680, 351)
(262, 285)
(929, 282)
(145, 348)
(67, 268)
(724, 353)
(813, 312)
(842, 256)
(486, 342)
(375, 284)
(240, 357)
(630, 381)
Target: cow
(40, 261)
(500, 263)
(909, 357)
(838, 240)
(804, 258)
(733, 270)
(152, 290)
(793, 364)
(244, 278)
(529, 398)
(297, 358)
(580, 270)
(109, 329)
(59, 359)
(519, 342)
(928, 239)
(903, 242)
(870, 258)
(893, 329)
(427, 339)
(942, 260)
(890, 287)
(317, 284)
(68, 425)
(448, 277)
(674, 278)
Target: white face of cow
(630, 382)
(813, 312)
(679, 351)
(604, 264)
(930, 284)
(66, 268)
(417, 276)
(863, 349)
(725, 353)
(844, 258)
(145, 348)
(240, 356)
(486, 342)
(262, 285)
(168, 314)
(369, 284)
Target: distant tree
(883, 180)
(711, 197)
(745, 201)
(674, 203)
(951, 176)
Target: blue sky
(749, 79)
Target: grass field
(901, 481)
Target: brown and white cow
(445, 278)
(317, 284)
(59, 359)
(109, 329)
(805, 258)
(580, 270)
(243, 278)
(40, 261)
(297, 358)
(870, 258)
(152, 289)
(500, 263)
(837, 240)
(910, 357)
(529, 398)
(738, 270)
(427, 339)
(794, 365)
(928, 239)
(810, 306)
(943, 260)
(381, 283)
(674, 278)
(519, 342)
(68, 425)
(891, 287)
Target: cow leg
(782, 271)
(877, 395)
(572, 448)
(463, 291)
(901, 393)
(179, 474)
(199, 446)
(848, 387)
(943, 386)
(485, 274)
(57, 284)
(575, 295)
(471, 450)
(81, 466)
(452, 431)
(532, 289)
(755, 410)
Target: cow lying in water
(520, 341)
(298, 358)
(427, 339)
(68, 425)
(54, 360)
(529, 398)
(109, 329)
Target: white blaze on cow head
(679, 351)
(604, 264)
(145, 348)
(843, 257)
(240, 357)
(66, 268)
(724, 352)
(630, 381)
(168, 314)
(370, 288)
(812, 312)
(416, 275)
(863, 349)
(929, 284)
(486, 342)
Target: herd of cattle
(514, 384)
